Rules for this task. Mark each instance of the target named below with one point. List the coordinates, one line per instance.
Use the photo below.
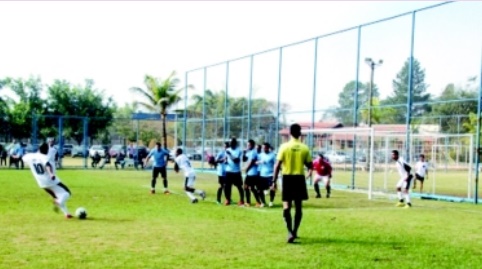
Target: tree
(82, 101)
(159, 96)
(27, 103)
(346, 100)
(454, 102)
(400, 93)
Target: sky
(116, 43)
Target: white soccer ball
(81, 213)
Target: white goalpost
(365, 164)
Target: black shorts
(265, 183)
(418, 177)
(251, 181)
(234, 178)
(222, 180)
(294, 188)
(159, 170)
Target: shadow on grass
(100, 219)
(323, 241)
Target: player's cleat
(227, 202)
(153, 191)
(327, 195)
(408, 205)
(167, 192)
(68, 216)
(218, 202)
(240, 203)
(291, 238)
(246, 205)
(400, 204)
(194, 201)
(270, 204)
(318, 196)
(203, 195)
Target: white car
(337, 157)
(97, 148)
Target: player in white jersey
(403, 185)
(421, 172)
(43, 171)
(182, 162)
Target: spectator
(120, 160)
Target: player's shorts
(325, 179)
(251, 181)
(159, 170)
(234, 178)
(405, 184)
(294, 188)
(264, 183)
(190, 180)
(222, 180)
(418, 177)
(58, 191)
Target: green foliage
(158, 96)
(346, 101)
(81, 100)
(400, 93)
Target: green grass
(129, 228)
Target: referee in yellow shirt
(293, 156)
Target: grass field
(129, 228)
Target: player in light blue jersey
(221, 171)
(160, 156)
(233, 172)
(250, 156)
(266, 161)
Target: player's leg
(399, 193)
(238, 182)
(288, 219)
(227, 187)
(163, 173)
(189, 191)
(421, 184)
(298, 216)
(247, 190)
(254, 189)
(406, 191)
(221, 181)
(62, 193)
(155, 174)
(317, 186)
(261, 186)
(326, 181)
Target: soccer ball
(81, 213)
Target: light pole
(372, 65)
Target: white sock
(407, 197)
(198, 191)
(62, 203)
(399, 194)
(190, 195)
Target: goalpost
(361, 159)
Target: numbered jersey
(38, 163)
(184, 164)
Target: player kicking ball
(43, 171)
(182, 162)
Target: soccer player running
(233, 172)
(221, 171)
(182, 162)
(160, 156)
(421, 168)
(323, 173)
(266, 161)
(403, 185)
(43, 171)
(251, 180)
(293, 156)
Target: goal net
(361, 160)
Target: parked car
(337, 157)
(66, 149)
(192, 154)
(79, 151)
(115, 149)
(100, 149)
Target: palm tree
(159, 96)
